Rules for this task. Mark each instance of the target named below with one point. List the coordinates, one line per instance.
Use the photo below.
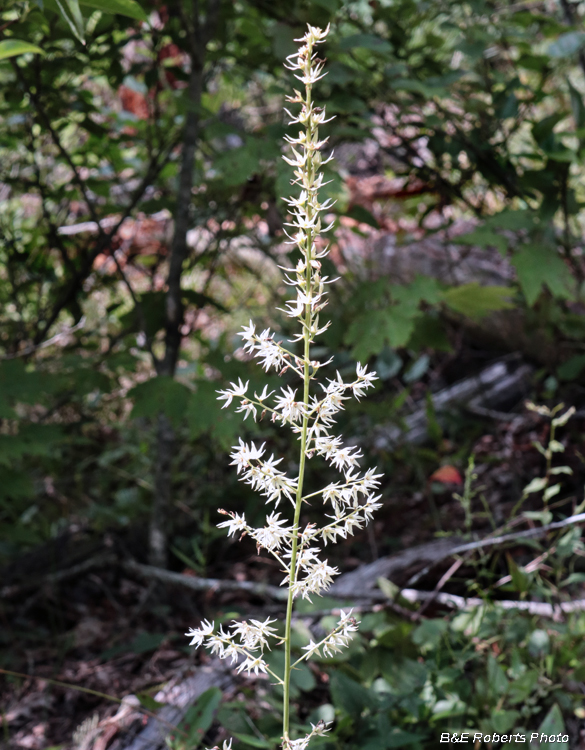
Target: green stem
(302, 460)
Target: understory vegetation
(142, 224)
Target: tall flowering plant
(310, 415)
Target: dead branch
(56, 339)
(542, 609)
(99, 561)
(359, 584)
(205, 584)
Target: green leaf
(400, 738)
(303, 678)
(365, 41)
(537, 484)
(128, 8)
(429, 634)
(388, 364)
(150, 312)
(429, 333)
(283, 43)
(370, 331)
(349, 695)
(544, 516)
(203, 409)
(561, 470)
(572, 368)
(141, 644)
(361, 214)
(484, 237)
(520, 579)
(569, 543)
(200, 717)
(15, 484)
(497, 680)
(148, 702)
(577, 105)
(503, 721)
(450, 706)
(31, 440)
(240, 164)
(403, 675)
(204, 415)
(253, 741)
(538, 643)
(330, 5)
(14, 47)
(407, 84)
(417, 369)
(539, 265)
(160, 395)
(145, 642)
(389, 589)
(199, 300)
(477, 301)
(550, 492)
(521, 687)
(512, 219)
(553, 724)
(421, 289)
(573, 578)
(72, 15)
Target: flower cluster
(311, 416)
(262, 475)
(253, 636)
(337, 639)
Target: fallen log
(491, 541)
(361, 583)
(177, 698)
(504, 381)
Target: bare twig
(527, 534)
(444, 579)
(497, 540)
(139, 310)
(49, 342)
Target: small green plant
(546, 483)
(310, 417)
(469, 492)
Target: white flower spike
(350, 501)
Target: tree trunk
(161, 502)
(200, 34)
(165, 434)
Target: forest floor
(106, 631)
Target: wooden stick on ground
(205, 584)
